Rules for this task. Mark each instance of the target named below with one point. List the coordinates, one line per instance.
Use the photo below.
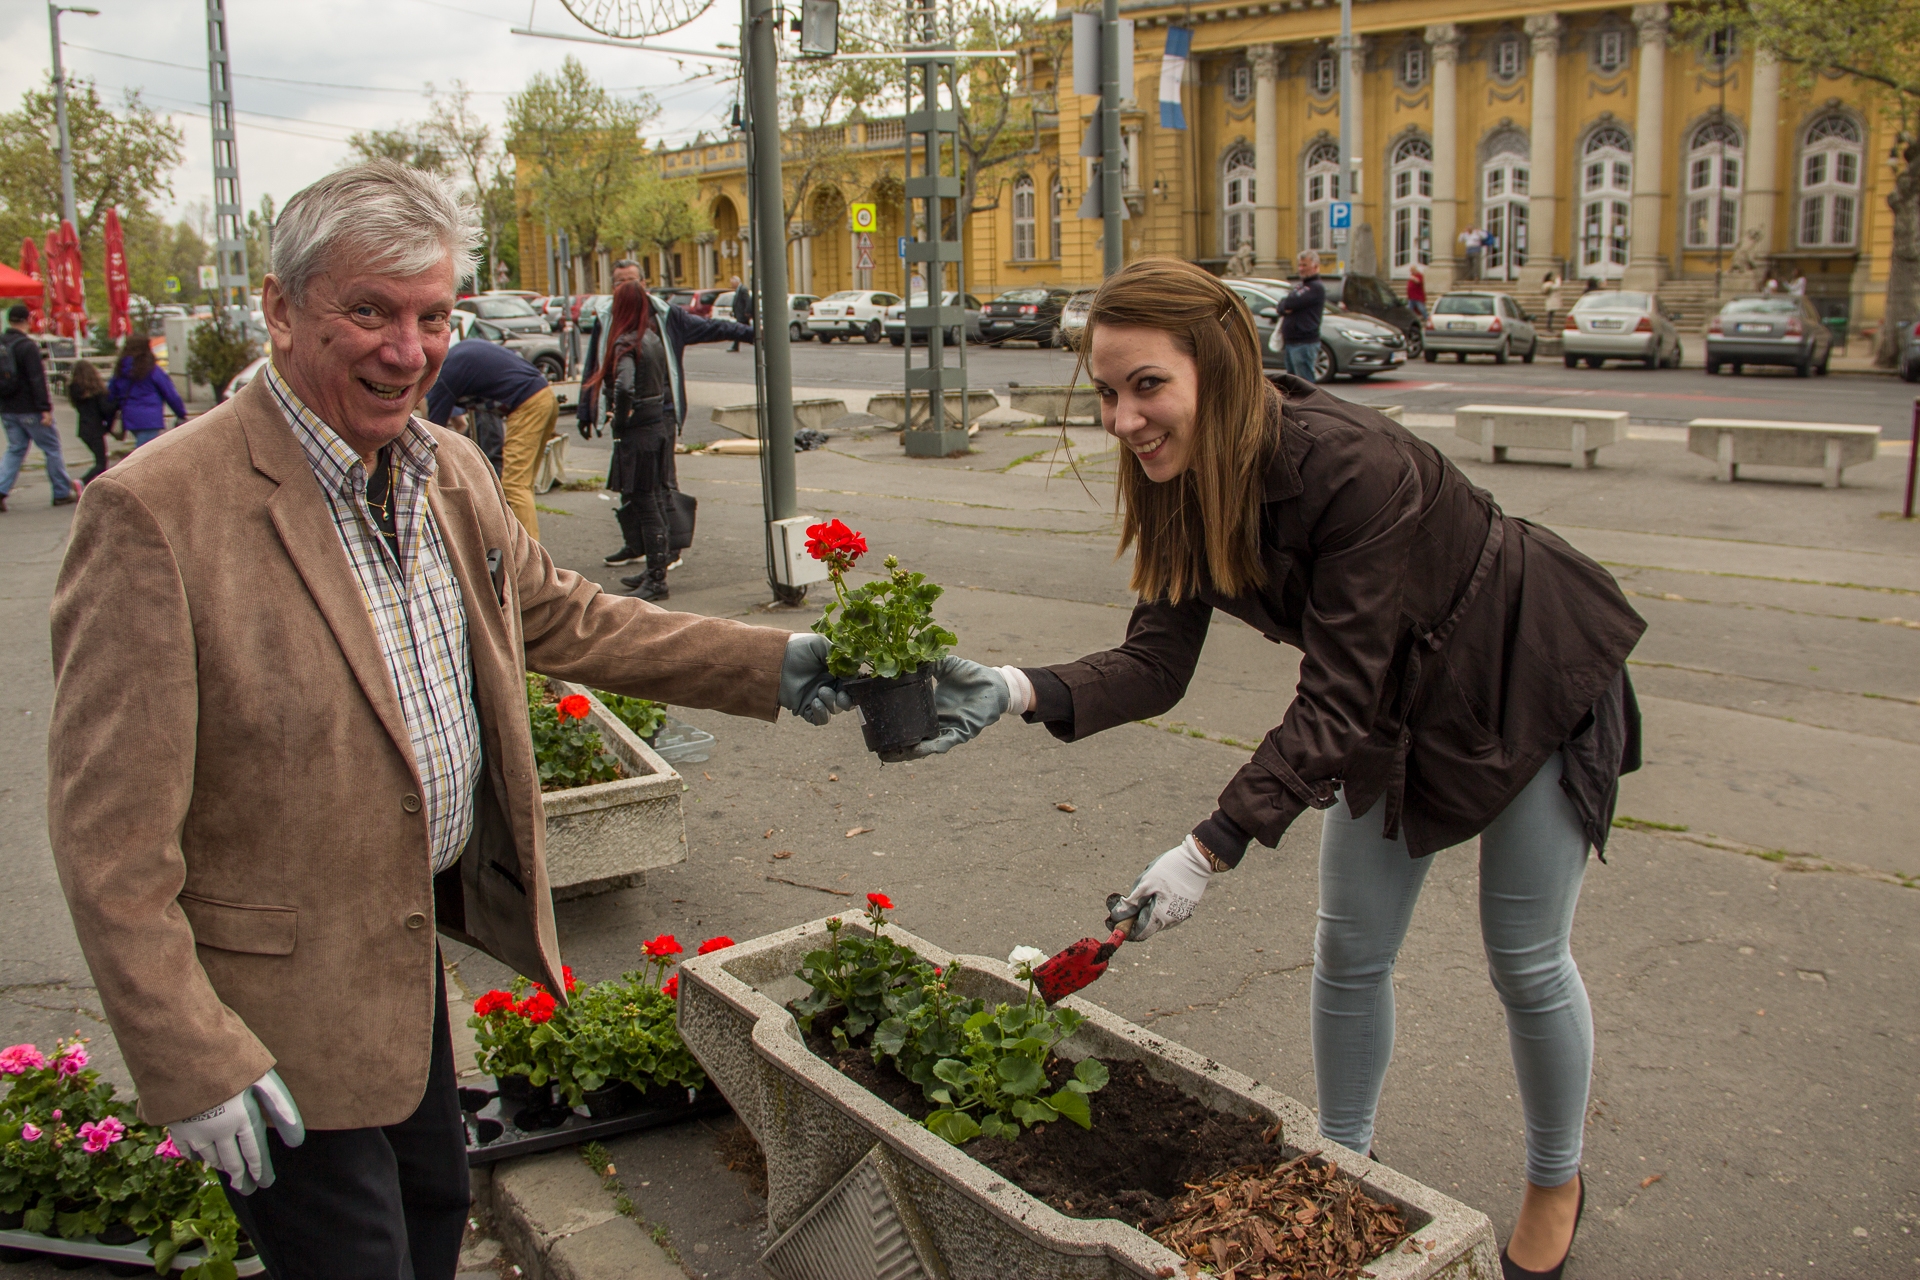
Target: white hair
(384, 214)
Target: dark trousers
(373, 1204)
(644, 475)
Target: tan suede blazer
(232, 794)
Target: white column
(1543, 201)
(1763, 165)
(1445, 39)
(1266, 159)
(1645, 264)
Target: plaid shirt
(416, 609)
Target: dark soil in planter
(1148, 1141)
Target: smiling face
(362, 347)
(1149, 396)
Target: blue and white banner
(1173, 70)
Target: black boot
(652, 585)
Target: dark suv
(1031, 313)
(1372, 296)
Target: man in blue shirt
(480, 372)
(1300, 313)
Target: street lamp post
(60, 108)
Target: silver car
(1776, 329)
(894, 320)
(1620, 324)
(1351, 344)
(1472, 322)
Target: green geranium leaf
(1020, 1076)
(1091, 1072)
(1073, 1106)
(956, 1127)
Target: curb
(558, 1220)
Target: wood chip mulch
(1302, 1220)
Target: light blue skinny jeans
(1532, 859)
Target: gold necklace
(384, 508)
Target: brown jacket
(231, 790)
(1449, 648)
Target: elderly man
(313, 613)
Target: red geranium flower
(711, 945)
(492, 1002)
(663, 946)
(836, 544)
(880, 901)
(672, 990)
(537, 1007)
(573, 707)
(566, 971)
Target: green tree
(409, 145)
(474, 155)
(1877, 44)
(583, 142)
(659, 212)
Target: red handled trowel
(1078, 965)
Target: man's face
(363, 346)
(625, 275)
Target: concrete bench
(743, 419)
(1497, 428)
(892, 405)
(1747, 442)
(1058, 404)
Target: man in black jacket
(27, 410)
(1300, 313)
(742, 307)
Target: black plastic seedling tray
(493, 1131)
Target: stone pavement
(1753, 1108)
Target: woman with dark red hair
(643, 429)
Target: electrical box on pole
(229, 219)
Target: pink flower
(30, 1132)
(167, 1151)
(18, 1059)
(98, 1137)
(56, 1115)
(72, 1062)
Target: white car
(895, 319)
(849, 312)
(799, 307)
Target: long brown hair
(138, 348)
(84, 382)
(1203, 526)
(632, 313)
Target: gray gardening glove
(232, 1137)
(807, 688)
(968, 697)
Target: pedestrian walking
(488, 375)
(27, 410)
(1550, 296)
(1475, 241)
(636, 380)
(742, 307)
(315, 615)
(1417, 290)
(142, 392)
(88, 392)
(1799, 286)
(1300, 313)
(1418, 722)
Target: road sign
(209, 278)
(1340, 214)
(866, 257)
(1339, 235)
(903, 248)
(863, 216)
(173, 284)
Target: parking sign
(1340, 214)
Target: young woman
(88, 392)
(1463, 675)
(142, 392)
(643, 429)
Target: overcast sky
(356, 64)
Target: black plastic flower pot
(896, 712)
(611, 1101)
(518, 1091)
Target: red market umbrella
(119, 292)
(18, 284)
(36, 302)
(63, 264)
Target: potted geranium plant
(884, 642)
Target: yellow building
(1578, 139)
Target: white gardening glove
(233, 1138)
(1165, 894)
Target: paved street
(1749, 945)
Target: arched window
(1606, 202)
(1830, 183)
(1023, 219)
(1322, 185)
(1411, 181)
(1053, 217)
(1236, 203)
(1714, 170)
(1505, 180)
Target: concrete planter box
(859, 1191)
(1058, 404)
(608, 835)
(744, 419)
(892, 405)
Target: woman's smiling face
(1149, 396)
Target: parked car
(247, 375)
(1777, 329)
(1352, 345)
(1470, 322)
(849, 312)
(1029, 314)
(514, 315)
(541, 348)
(679, 297)
(1910, 351)
(1367, 296)
(1073, 316)
(895, 319)
(1621, 324)
(799, 307)
(705, 300)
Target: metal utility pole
(67, 207)
(1349, 110)
(933, 130)
(1113, 255)
(229, 219)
